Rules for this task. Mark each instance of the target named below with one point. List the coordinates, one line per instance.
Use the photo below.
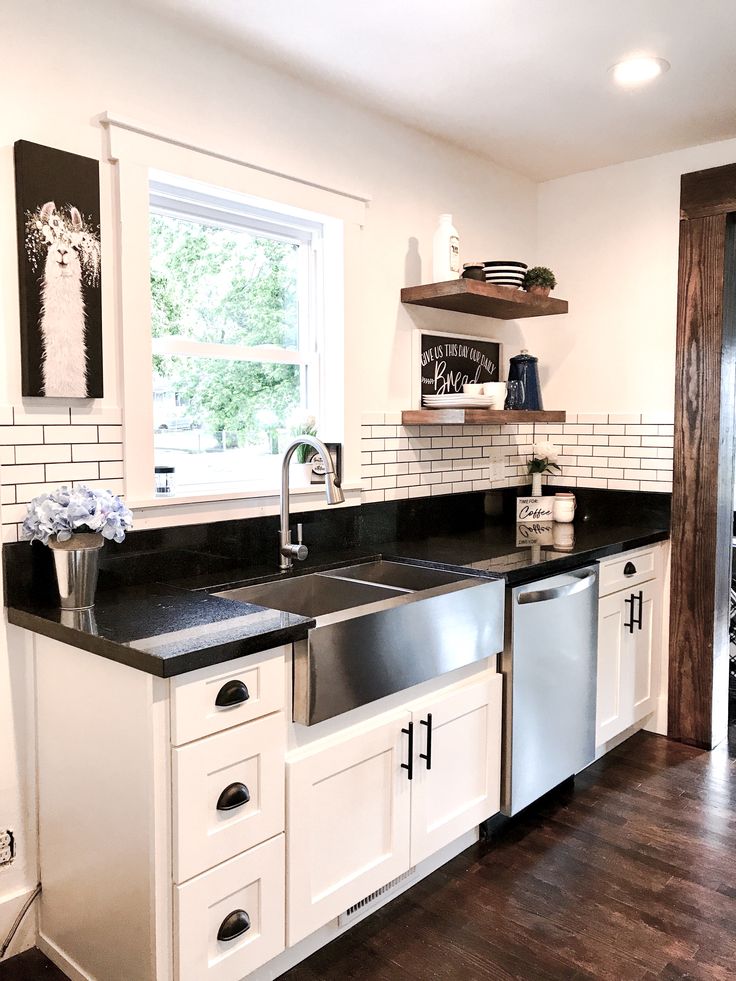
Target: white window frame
(139, 153)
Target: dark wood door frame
(703, 481)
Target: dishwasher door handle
(557, 592)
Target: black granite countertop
(165, 630)
(505, 550)
(170, 624)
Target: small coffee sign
(449, 361)
(534, 509)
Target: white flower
(545, 451)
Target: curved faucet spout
(333, 493)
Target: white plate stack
(458, 400)
(505, 273)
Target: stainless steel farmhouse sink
(381, 627)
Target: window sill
(265, 495)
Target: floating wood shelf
(483, 299)
(498, 417)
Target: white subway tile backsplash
(44, 453)
(69, 434)
(15, 435)
(109, 434)
(24, 473)
(96, 416)
(67, 473)
(83, 452)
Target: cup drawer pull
(234, 925)
(232, 693)
(629, 569)
(233, 796)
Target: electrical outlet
(7, 847)
(497, 462)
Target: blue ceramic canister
(523, 368)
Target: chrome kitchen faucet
(288, 551)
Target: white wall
(64, 64)
(611, 236)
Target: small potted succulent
(543, 460)
(301, 423)
(74, 523)
(539, 279)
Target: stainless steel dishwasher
(549, 665)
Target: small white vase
(536, 485)
(300, 474)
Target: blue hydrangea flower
(77, 509)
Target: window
(236, 315)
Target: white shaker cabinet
(348, 819)
(630, 637)
(457, 777)
(366, 806)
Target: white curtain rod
(110, 119)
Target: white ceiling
(525, 83)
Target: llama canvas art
(59, 258)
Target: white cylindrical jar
(445, 251)
(563, 508)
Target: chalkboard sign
(449, 361)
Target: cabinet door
(614, 708)
(645, 643)
(348, 818)
(629, 636)
(457, 777)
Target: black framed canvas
(448, 361)
(58, 217)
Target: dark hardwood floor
(630, 877)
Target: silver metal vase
(77, 564)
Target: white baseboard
(331, 931)
(58, 957)
(25, 937)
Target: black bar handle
(629, 569)
(410, 765)
(428, 755)
(232, 693)
(640, 597)
(233, 796)
(234, 925)
(630, 625)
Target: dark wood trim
(499, 417)
(702, 498)
(708, 192)
(483, 299)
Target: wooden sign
(449, 361)
(534, 533)
(534, 509)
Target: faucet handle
(298, 550)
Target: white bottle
(445, 251)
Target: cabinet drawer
(640, 566)
(243, 771)
(216, 698)
(248, 890)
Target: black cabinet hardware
(232, 693)
(629, 569)
(233, 796)
(640, 597)
(428, 755)
(409, 766)
(234, 925)
(629, 625)
(634, 620)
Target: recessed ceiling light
(637, 71)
